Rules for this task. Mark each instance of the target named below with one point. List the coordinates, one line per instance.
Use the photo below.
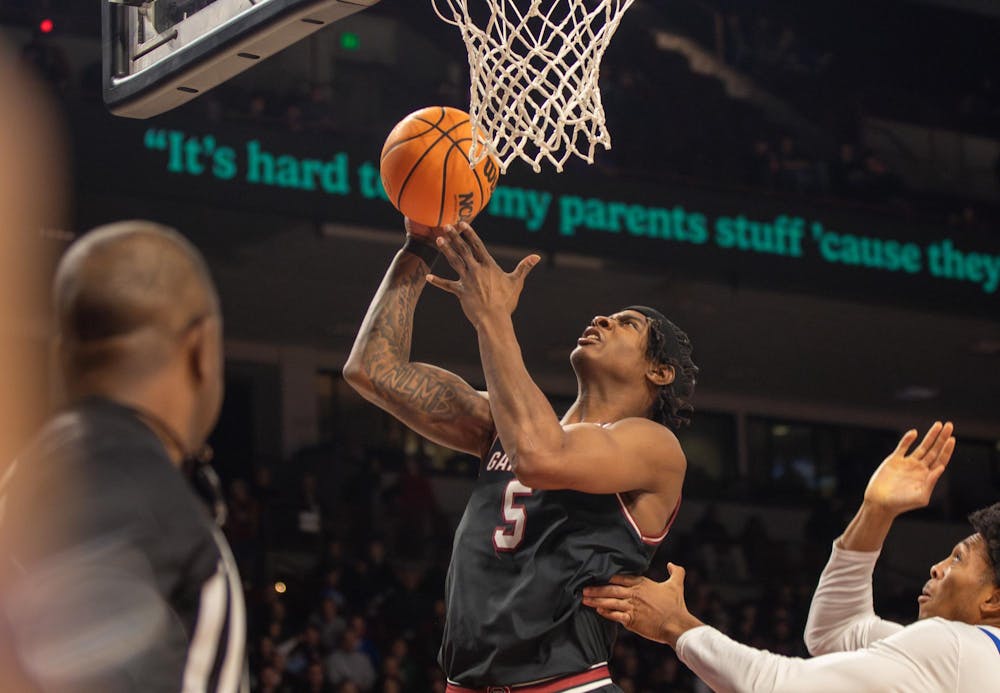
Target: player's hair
(987, 523)
(672, 407)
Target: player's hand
(426, 234)
(654, 610)
(482, 287)
(904, 481)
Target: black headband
(670, 348)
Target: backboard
(159, 54)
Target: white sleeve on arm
(841, 616)
(922, 657)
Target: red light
(46, 26)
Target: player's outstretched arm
(630, 455)
(903, 482)
(433, 402)
(842, 613)
(920, 657)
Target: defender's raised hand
(482, 287)
(905, 480)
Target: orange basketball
(425, 168)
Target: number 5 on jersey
(508, 536)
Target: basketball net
(534, 76)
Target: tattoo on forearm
(387, 353)
(424, 391)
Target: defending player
(955, 646)
(559, 503)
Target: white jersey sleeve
(931, 655)
(842, 616)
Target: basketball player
(559, 503)
(955, 646)
(113, 575)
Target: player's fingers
(460, 245)
(943, 437)
(615, 591)
(626, 580)
(928, 441)
(622, 617)
(525, 266)
(944, 457)
(444, 284)
(676, 573)
(605, 603)
(905, 442)
(447, 249)
(417, 229)
(933, 476)
(475, 242)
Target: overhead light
(576, 261)
(916, 393)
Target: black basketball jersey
(519, 562)
(103, 542)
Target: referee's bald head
(125, 295)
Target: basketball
(425, 168)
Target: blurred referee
(114, 576)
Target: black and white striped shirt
(113, 577)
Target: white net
(534, 66)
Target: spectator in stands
(407, 666)
(315, 680)
(416, 506)
(390, 685)
(271, 681)
(365, 644)
(329, 622)
(309, 515)
(348, 663)
(308, 649)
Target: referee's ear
(196, 343)
(203, 345)
(205, 365)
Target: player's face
(959, 583)
(617, 341)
